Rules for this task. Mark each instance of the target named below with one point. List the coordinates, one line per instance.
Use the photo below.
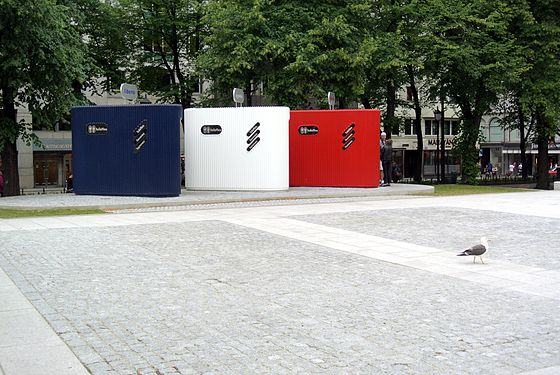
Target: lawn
(458, 189)
(17, 213)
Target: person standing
(382, 140)
(1, 183)
(387, 158)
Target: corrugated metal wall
(334, 148)
(127, 150)
(251, 152)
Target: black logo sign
(97, 128)
(348, 136)
(308, 130)
(140, 136)
(211, 129)
(253, 136)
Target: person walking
(387, 158)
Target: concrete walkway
(28, 345)
(193, 198)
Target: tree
(42, 55)
(515, 117)
(383, 52)
(296, 50)
(165, 37)
(102, 27)
(474, 57)
(538, 90)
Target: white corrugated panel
(237, 148)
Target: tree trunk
(522, 141)
(365, 102)
(9, 150)
(418, 166)
(442, 137)
(391, 107)
(249, 94)
(342, 103)
(542, 158)
(467, 147)
(10, 167)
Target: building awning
(506, 151)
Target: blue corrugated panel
(127, 150)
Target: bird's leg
(481, 260)
(474, 259)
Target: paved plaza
(325, 286)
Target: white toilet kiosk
(237, 148)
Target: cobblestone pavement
(212, 297)
(528, 240)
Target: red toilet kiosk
(337, 148)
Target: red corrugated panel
(334, 148)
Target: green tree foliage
(474, 57)
(164, 37)
(299, 50)
(41, 56)
(103, 28)
(538, 89)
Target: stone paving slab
(28, 345)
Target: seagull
(476, 250)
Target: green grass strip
(458, 189)
(17, 213)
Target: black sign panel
(346, 145)
(348, 136)
(250, 147)
(140, 136)
(348, 129)
(253, 129)
(308, 130)
(97, 128)
(253, 136)
(211, 129)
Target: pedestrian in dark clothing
(1, 184)
(387, 158)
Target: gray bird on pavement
(476, 250)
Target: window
(409, 128)
(454, 127)
(409, 93)
(447, 127)
(514, 135)
(483, 131)
(450, 127)
(431, 127)
(496, 132)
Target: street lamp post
(437, 116)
